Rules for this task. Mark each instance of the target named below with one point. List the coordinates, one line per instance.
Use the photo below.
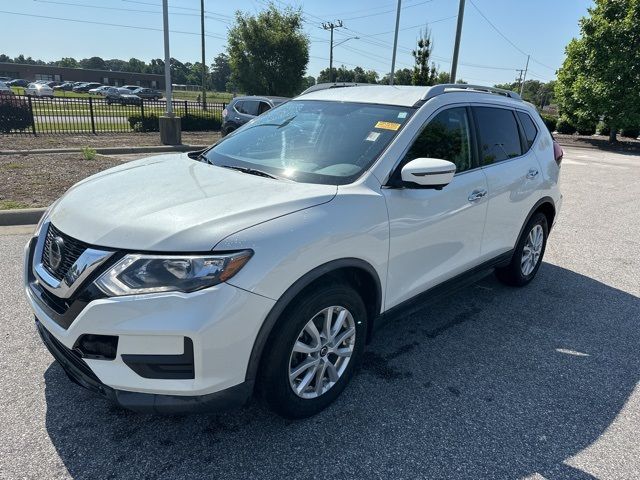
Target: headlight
(138, 273)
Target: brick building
(64, 74)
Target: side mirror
(428, 172)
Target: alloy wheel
(532, 250)
(322, 352)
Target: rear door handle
(477, 194)
(532, 173)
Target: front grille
(70, 252)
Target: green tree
(68, 62)
(308, 82)
(220, 72)
(599, 77)
(423, 73)
(93, 63)
(268, 52)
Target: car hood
(173, 203)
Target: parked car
(131, 87)
(101, 90)
(121, 96)
(38, 90)
(5, 79)
(241, 110)
(18, 82)
(5, 89)
(181, 281)
(66, 86)
(149, 93)
(85, 87)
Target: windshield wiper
(251, 171)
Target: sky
(496, 38)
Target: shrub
(603, 129)
(630, 132)
(14, 114)
(189, 123)
(550, 121)
(565, 126)
(88, 153)
(586, 128)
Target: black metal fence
(35, 115)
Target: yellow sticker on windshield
(388, 126)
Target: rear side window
(529, 127)
(498, 132)
(264, 106)
(446, 136)
(248, 107)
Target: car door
(436, 234)
(513, 176)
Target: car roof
(262, 97)
(403, 95)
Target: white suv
(264, 263)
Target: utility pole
(204, 67)
(331, 26)
(520, 72)
(395, 44)
(524, 78)
(456, 46)
(167, 57)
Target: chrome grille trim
(86, 261)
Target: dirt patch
(30, 142)
(29, 181)
(599, 141)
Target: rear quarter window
(529, 127)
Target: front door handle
(532, 173)
(477, 194)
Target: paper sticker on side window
(388, 126)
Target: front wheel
(313, 351)
(528, 253)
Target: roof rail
(325, 86)
(456, 87)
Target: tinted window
(446, 136)
(530, 130)
(499, 137)
(264, 106)
(313, 141)
(248, 107)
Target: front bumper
(219, 324)
(78, 371)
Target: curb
(21, 216)
(110, 150)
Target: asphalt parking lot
(493, 382)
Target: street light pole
(167, 57)
(524, 78)
(395, 44)
(456, 46)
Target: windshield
(312, 141)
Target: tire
(291, 330)
(518, 273)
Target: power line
(388, 11)
(505, 37)
(91, 22)
(84, 5)
(411, 27)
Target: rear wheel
(528, 254)
(313, 351)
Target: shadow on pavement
(491, 382)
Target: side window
(248, 107)
(529, 127)
(447, 136)
(264, 106)
(499, 136)
(238, 106)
